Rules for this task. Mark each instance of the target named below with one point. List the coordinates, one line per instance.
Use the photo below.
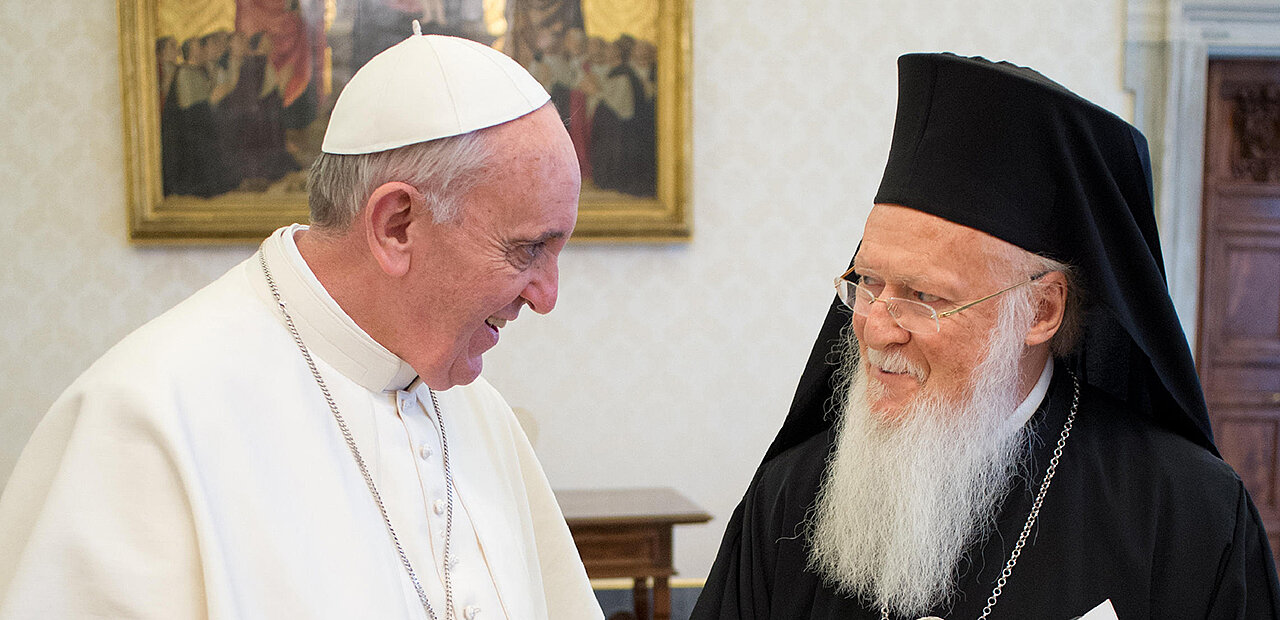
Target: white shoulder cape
(195, 471)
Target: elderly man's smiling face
(924, 258)
(472, 276)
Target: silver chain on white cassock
(364, 470)
(1035, 509)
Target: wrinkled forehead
(901, 239)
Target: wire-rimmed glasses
(913, 316)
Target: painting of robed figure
(238, 96)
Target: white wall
(663, 364)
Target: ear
(1051, 305)
(386, 217)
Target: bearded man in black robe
(1001, 417)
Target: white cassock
(195, 471)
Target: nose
(879, 328)
(542, 290)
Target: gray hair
(1014, 262)
(444, 170)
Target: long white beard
(903, 500)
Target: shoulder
(224, 307)
(1177, 513)
(799, 462)
(1138, 440)
(133, 393)
(1142, 463)
(787, 484)
(218, 330)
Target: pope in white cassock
(308, 436)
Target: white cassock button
(424, 451)
(438, 506)
(471, 612)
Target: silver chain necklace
(1035, 509)
(364, 470)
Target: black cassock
(1142, 510)
(1136, 514)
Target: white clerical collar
(1032, 403)
(325, 328)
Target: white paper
(1102, 612)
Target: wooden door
(1239, 333)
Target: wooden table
(627, 533)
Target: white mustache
(894, 361)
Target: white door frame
(1182, 36)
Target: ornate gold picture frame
(212, 158)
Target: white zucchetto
(428, 87)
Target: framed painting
(226, 103)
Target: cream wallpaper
(663, 364)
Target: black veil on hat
(1004, 150)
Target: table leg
(641, 595)
(661, 599)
